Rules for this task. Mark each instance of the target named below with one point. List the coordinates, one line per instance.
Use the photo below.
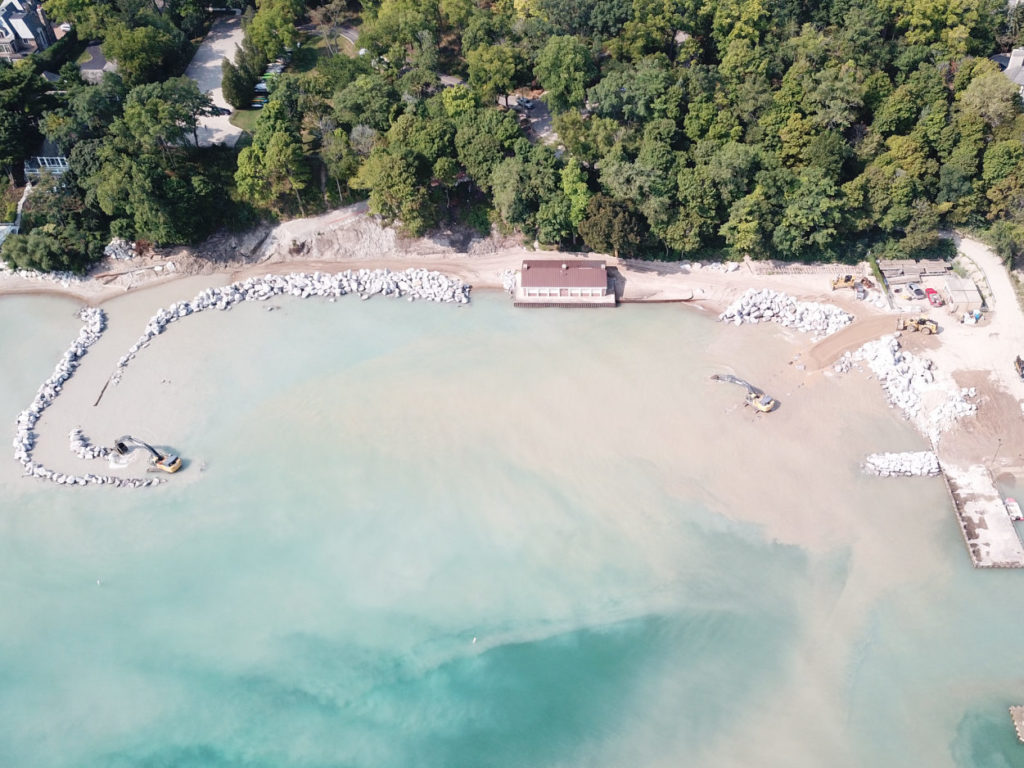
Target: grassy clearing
(307, 56)
(245, 119)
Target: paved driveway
(225, 35)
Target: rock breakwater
(768, 306)
(411, 284)
(910, 464)
(95, 321)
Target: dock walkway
(991, 538)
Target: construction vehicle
(922, 324)
(852, 281)
(165, 462)
(846, 281)
(755, 398)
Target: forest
(679, 129)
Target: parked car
(915, 290)
(933, 297)
(524, 103)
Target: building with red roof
(568, 282)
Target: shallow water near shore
(413, 534)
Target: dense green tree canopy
(793, 130)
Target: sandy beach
(351, 239)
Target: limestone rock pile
(844, 364)
(766, 305)
(120, 249)
(411, 284)
(955, 407)
(911, 464)
(711, 266)
(903, 376)
(908, 379)
(83, 448)
(508, 281)
(25, 437)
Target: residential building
(24, 29)
(1013, 66)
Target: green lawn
(314, 48)
(245, 119)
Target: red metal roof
(568, 273)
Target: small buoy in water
(474, 641)
(98, 583)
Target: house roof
(563, 273)
(1014, 66)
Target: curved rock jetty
(411, 284)
(25, 438)
(766, 305)
(910, 464)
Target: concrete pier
(1017, 715)
(989, 533)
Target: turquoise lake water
(422, 535)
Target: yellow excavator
(165, 462)
(755, 398)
